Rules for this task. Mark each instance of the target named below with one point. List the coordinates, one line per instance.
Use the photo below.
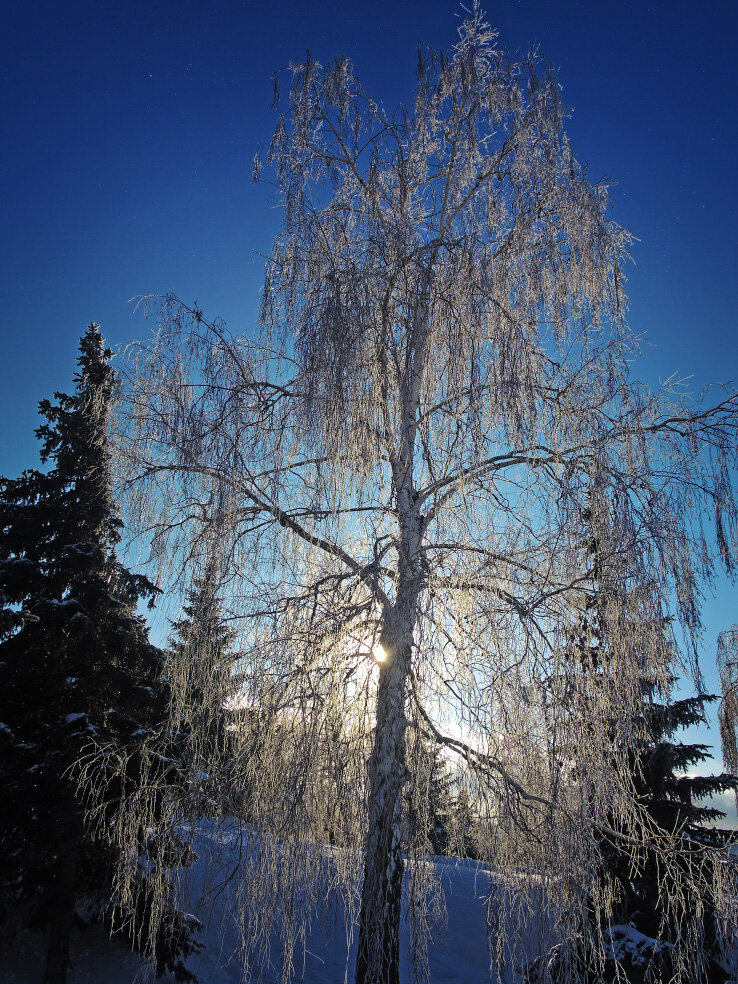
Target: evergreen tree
(202, 670)
(644, 899)
(637, 890)
(669, 795)
(77, 670)
(429, 800)
(439, 811)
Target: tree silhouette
(76, 667)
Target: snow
(627, 945)
(70, 718)
(458, 954)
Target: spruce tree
(670, 817)
(429, 801)
(201, 665)
(669, 796)
(637, 891)
(77, 669)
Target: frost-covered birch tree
(727, 659)
(399, 466)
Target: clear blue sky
(128, 131)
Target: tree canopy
(405, 465)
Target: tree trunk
(378, 959)
(61, 914)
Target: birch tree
(398, 466)
(727, 659)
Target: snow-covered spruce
(77, 674)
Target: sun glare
(379, 653)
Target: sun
(378, 652)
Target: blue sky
(128, 131)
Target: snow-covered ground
(457, 954)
